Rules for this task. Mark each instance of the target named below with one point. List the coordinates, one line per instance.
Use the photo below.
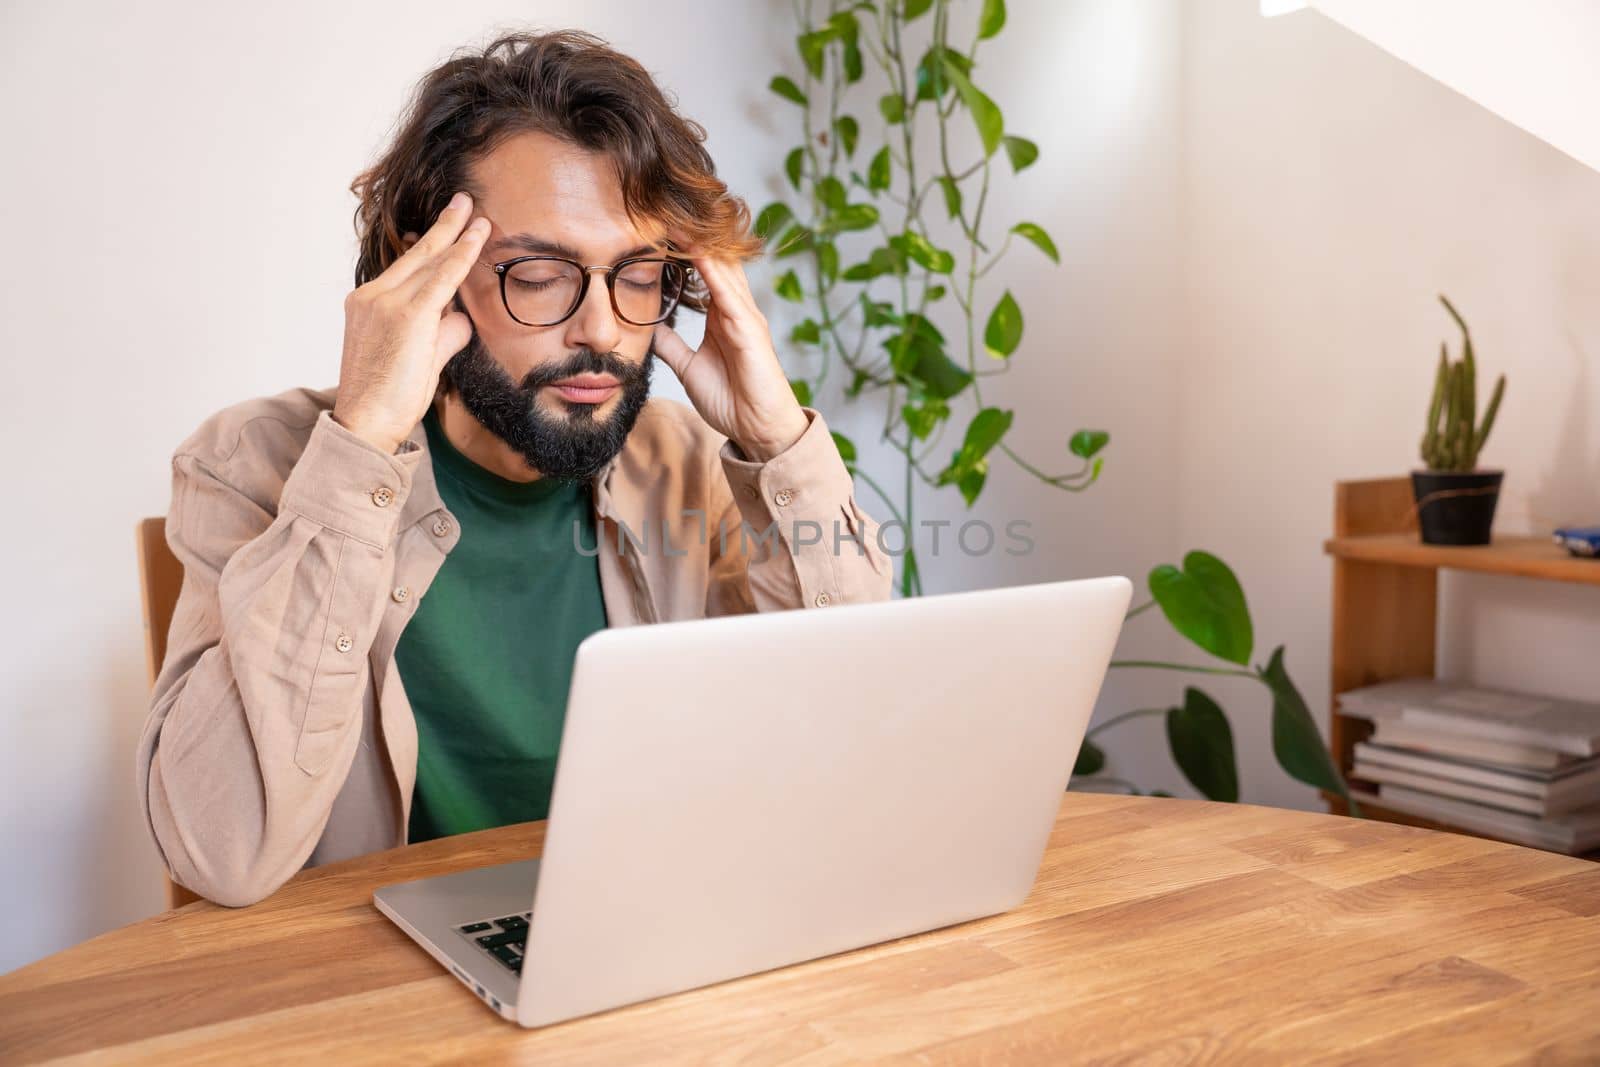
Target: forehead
(535, 184)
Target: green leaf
(1295, 741)
(1205, 603)
(795, 239)
(1020, 151)
(1202, 746)
(1091, 759)
(854, 217)
(1004, 331)
(917, 356)
(802, 391)
(852, 63)
(985, 113)
(913, 8)
(902, 347)
(878, 313)
(970, 481)
(930, 77)
(828, 261)
(968, 467)
(857, 380)
(772, 219)
(984, 432)
(1037, 235)
(893, 108)
(847, 129)
(787, 89)
(992, 19)
(882, 261)
(807, 332)
(922, 418)
(924, 326)
(878, 170)
(934, 293)
(792, 164)
(1086, 443)
(789, 287)
(842, 25)
(830, 192)
(811, 46)
(952, 194)
(919, 250)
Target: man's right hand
(398, 333)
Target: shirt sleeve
(795, 535)
(256, 713)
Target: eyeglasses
(547, 290)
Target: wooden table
(1160, 930)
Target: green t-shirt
(487, 658)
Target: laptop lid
(739, 794)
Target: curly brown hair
(570, 85)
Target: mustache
(583, 361)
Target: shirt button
(441, 527)
(823, 600)
(344, 644)
(401, 594)
(382, 495)
(783, 497)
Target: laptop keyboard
(501, 938)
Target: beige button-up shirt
(279, 737)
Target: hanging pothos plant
(871, 191)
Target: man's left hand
(734, 379)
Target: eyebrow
(544, 246)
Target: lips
(587, 388)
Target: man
(385, 583)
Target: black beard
(572, 447)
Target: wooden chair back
(160, 579)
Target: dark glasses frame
(503, 269)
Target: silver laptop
(739, 794)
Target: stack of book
(1509, 765)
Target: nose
(594, 324)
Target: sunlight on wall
(1531, 62)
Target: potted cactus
(1456, 500)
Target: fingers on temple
(438, 241)
(436, 286)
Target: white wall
(1329, 193)
(176, 208)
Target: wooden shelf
(1525, 557)
(1385, 606)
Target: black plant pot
(1463, 518)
